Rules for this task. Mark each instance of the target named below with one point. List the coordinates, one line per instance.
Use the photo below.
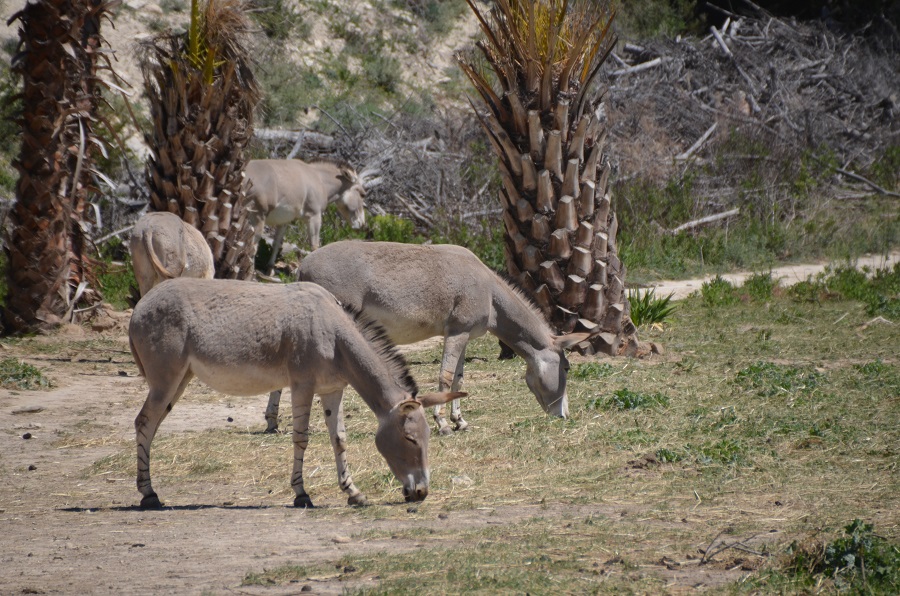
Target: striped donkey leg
(333, 405)
(301, 404)
(272, 411)
(160, 399)
(451, 375)
(455, 411)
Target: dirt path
(65, 529)
(787, 275)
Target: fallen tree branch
(859, 178)
(637, 68)
(698, 144)
(703, 220)
(415, 212)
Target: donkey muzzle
(418, 493)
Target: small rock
(230, 419)
(123, 373)
(412, 509)
(340, 539)
(306, 588)
(443, 516)
(28, 410)
(32, 467)
(26, 436)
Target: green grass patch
(625, 399)
(584, 371)
(768, 379)
(18, 375)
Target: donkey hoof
(461, 425)
(445, 430)
(272, 430)
(151, 501)
(303, 501)
(359, 500)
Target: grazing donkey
(163, 247)
(416, 292)
(288, 189)
(244, 338)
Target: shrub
(718, 292)
(760, 286)
(649, 309)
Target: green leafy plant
(859, 562)
(718, 292)
(115, 275)
(760, 286)
(17, 375)
(667, 456)
(590, 370)
(625, 399)
(649, 309)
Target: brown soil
(66, 530)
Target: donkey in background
(244, 338)
(163, 247)
(416, 292)
(288, 189)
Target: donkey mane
(377, 337)
(525, 296)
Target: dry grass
(779, 421)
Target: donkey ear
(406, 407)
(436, 399)
(570, 339)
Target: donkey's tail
(134, 354)
(157, 264)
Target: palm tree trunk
(48, 271)
(545, 129)
(202, 95)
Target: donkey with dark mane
(244, 338)
(415, 292)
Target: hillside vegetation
(379, 79)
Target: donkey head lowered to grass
(244, 338)
(285, 190)
(416, 292)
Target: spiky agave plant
(202, 95)
(543, 121)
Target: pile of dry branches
(797, 87)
